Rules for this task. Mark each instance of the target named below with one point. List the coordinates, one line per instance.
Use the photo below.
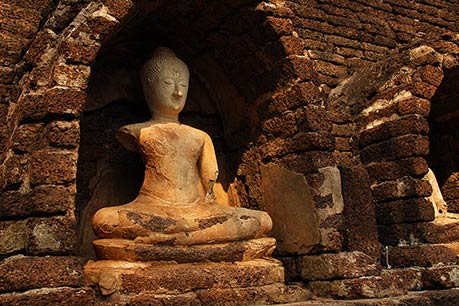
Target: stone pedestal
(128, 250)
(240, 283)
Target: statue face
(166, 93)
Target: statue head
(165, 82)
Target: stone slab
(441, 230)
(364, 287)
(430, 298)
(444, 277)
(20, 273)
(289, 201)
(128, 250)
(335, 266)
(50, 296)
(124, 277)
(359, 212)
(422, 255)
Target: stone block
(396, 148)
(423, 90)
(21, 273)
(118, 9)
(261, 295)
(429, 74)
(53, 235)
(185, 299)
(296, 68)
(284, 124)
(414, 105)
(289, 201)
(411, 124)
(121, 249)
(359, 212)
(403, 211)
(13, 204)
(422, 255)
(364, 287)
(393, 170)
(163, 277)
(14, 236)
(51, 296)
(81, 50)
(16, 169)
(76, 76)
(64, 101)
(52, 167)
(343, 130)
(299, 95)
(442, 230)
(31, 107)
(312, 118)
(63, 133)
(52, 199)
(307, 162)
(336, 266)
(404, 187)
(440, 277)
(28, 137)
(311, 141)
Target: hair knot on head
(156, 63)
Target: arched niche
(444, 137)
(224, 45)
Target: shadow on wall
(444, 138)
(213, 41)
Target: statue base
(145, 283)
(128, 250)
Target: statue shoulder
(128, 135)
(203, 135)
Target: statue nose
(178, 93)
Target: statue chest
(164, 143)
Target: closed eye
(168, 81)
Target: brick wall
(279, 64)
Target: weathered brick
(76, 76)
(335, 266)
(440, 277)
(313, 118)
(402, 211)
(52, 167)
(392, 170)
(117, 8)
(421, 232)
(51, 199)
(14, 204)
(359, 212)
(53, 235)
(63, 133)
(28, 137)
(284, 124)
(51, 296)
(14, 236)
(16, 169)
(402, 188)
(307, 162)
(61, 101)
(411, 124)
(396, 148)
(421, 255)
(22, 273)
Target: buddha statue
(175, 205)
